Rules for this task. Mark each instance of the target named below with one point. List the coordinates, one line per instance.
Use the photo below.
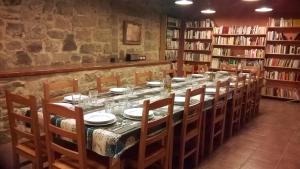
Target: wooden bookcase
(198, 42)
(282, 64)
(172, 41)
(238, 46)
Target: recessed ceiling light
(184, 2)
(208, 11)
(250, 0)
(263, 9)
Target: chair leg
(211, 145)
(222, 134)
(16, 161)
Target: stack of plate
(136, 114)
(179, 100)
(99, 118)
(76, 97)
(198, 75)
(118, 90)
(178, 79)
(154, 84)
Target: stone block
(52, 46)
(64, 7)
(69, 43)
(83, 21)
(90, 48)
(102, 35)
(13, 45)
(75, 58)
(54, 34)
(35, 47)
(62, 23)
(15, 29)
(23, 58)
(84, 35)
(88, 59)
(42, 59)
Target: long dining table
(112, 140)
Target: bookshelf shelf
(199, 28)
(282, 55)
(209, 40)
(198, 51)
(196, 61)
(235, 57)
(241, 46)
(255, 35)
(284, 41)
(282, 68)
(284, 28)
(173, 27)
(172, 49)
(285, 81)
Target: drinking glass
(108, 105)
(76, 97)
(93, 97)
(129, 91)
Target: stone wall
(56, 32)
(32, 85)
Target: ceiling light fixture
(184, 2)
(208, 11)
(263, 9)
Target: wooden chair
(191, 127)
(60, 156)
(142, 77)
(219, 114)
(249, 100)
(59, 86)
(233, 69)
(201, 68)
(188, 69)
(155, 146)
(29, 144)
(104, 82)
(237, 101)
(258, 95)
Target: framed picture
(132, 33)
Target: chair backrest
(202, 68)
(52, 131)
(238, 93)
(59, 86)
(230, 68)
(142, 77)
(222, 94)
(30, 119)
(188, 69)
(103, 83)
(162, 136)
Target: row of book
(172, 44)
(221, 52)
(240, 40)
(281, 22)
(247, 30)
(273, 35)
(171, 54)
(289, 63)
(188, 56)
(290, 93)
(196, 46)
(217, 62)
(282, 75)
(173, 22)
(283, 49)
(172, 33)
(207, 23)
(255, 53)
(194, 34)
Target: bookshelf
(240, 46)
(173, 27)
(198, 41)
(282, 64)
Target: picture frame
(132, 32)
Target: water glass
(93, 94)
(76, 97)
(120, 107)
(108, 105)
(129, 90)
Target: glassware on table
(129, 90)
(76, 97)
(109, 105)
(93, 94)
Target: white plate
(179, 100)
(118, 90)
(76, 96)
(154, 83)
(178, 79)
(100, 124)
(198, 75)
(99, 117)
(66, 105)
(222, 72)
(136, 112)
(137, 118)
(210, 90)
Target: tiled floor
(271, 141)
